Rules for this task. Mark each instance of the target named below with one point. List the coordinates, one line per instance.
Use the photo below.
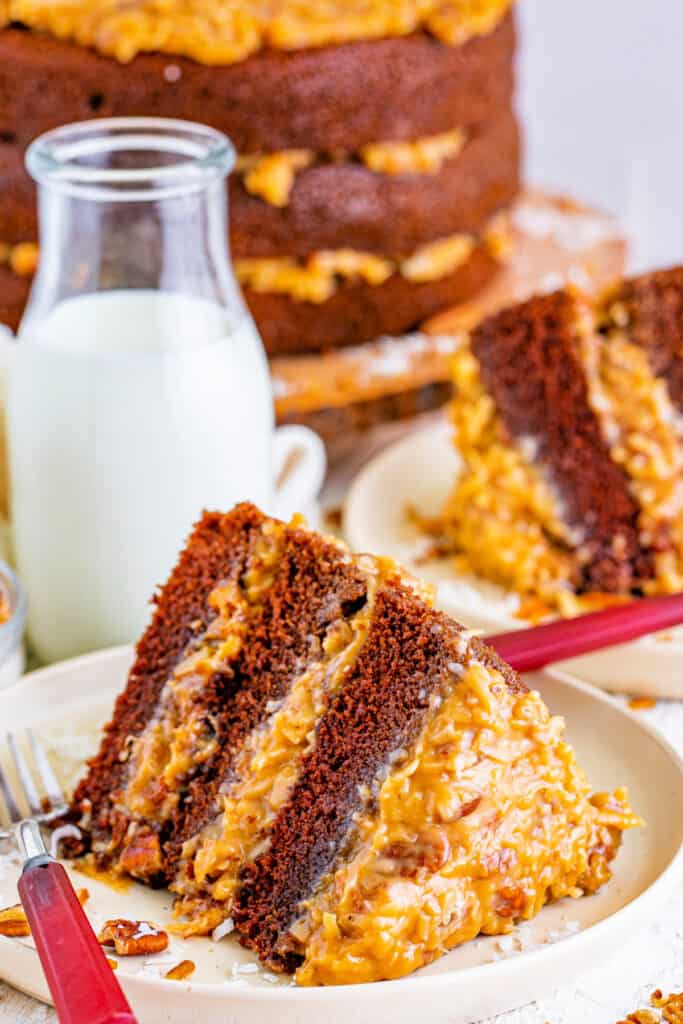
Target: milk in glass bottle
(139, 389)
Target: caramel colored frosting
(502, 521)
(271, 176)
(317, 278)
(228, 31)
(487, 819)
(646, 439)
(423, 156)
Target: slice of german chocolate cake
(568, 416)
(308, 753)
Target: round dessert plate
(419, 472)
(68, 703)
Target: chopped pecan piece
(431, 850)
(183, 970)
(511, 901)
(672, 1010)
(133, 938)
(141, 857)
(13, 923)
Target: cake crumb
(642, 703)
(181, 971)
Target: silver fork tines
(42, 810)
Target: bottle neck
(178, 243)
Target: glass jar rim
(55, 159)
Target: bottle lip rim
(204, 155)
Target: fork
(82, 983)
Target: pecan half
(13, 923)
(133, 938)
(141, 856)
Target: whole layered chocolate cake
(378, 150)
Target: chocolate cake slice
(311, 756)
(568, 417)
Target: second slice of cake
(568, 417)
(309, 754)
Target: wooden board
(343, 393)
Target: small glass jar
(12, 656)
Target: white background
(601, 100)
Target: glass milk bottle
(139, 390)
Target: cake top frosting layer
(228, 31)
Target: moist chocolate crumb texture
(311, 757)
(372, 139)
(569, 416)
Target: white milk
(129, 413)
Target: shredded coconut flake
(223, 929)
(240, 969)
(63, 832)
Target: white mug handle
(300, 464)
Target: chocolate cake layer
(345, 204)
(338, 205)
(650, 309)
(18, 213)
(359, 312)
(402, 668)
(530, 362)
(339, 97)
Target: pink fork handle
(83, 985)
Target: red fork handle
(530, 649)
(83, 985)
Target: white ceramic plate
(420, 471)
(67, 703)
